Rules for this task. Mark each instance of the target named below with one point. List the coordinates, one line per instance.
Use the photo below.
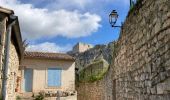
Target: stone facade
(81, 47)
(13, 72)
(14, 52)
(13, 65)
(142, 63)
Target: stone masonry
(13, 59)
(101, 89)
(81, 47)
(98, 90)
(142, 63)
(13, 72)
(140, 67)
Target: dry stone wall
(98, 90)
(103, 88)
(142, 64)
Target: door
(28, 76)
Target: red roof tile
(44, 55)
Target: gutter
(12, 20)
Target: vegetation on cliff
(94, 71)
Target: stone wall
(13, 60)
(142, 64)
(13, 72)
(98, 90)
(101, 89)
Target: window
(54, 77)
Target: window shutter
(54, 77)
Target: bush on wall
(94, 71)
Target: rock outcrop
(94, 76)
(98, 51)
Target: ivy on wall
(133, 3)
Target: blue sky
(57, 25)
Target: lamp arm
(117, 26)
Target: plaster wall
(40, 67)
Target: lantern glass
(113, 17)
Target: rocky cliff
(98, 51)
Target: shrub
(40, 96)
(18, 98)
(94, 71)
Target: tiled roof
(44, 55)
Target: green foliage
(94, 71)
(0, 97)
(132, 7)
(81, 75)
(94, 78)
(18, 98)
(40, 96)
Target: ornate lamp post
(113, 16)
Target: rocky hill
(97, 52)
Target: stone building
(81, 47)
(21, 72)
(47, 72)
(11, 53)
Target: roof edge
(48, 55)
(6, 10)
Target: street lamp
(113, 18)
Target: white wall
(40, 74)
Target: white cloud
(82, 4)
(49, 47)
(72, 3)
(37, 23)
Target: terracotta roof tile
(44, 55)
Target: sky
(57, 25)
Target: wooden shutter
(54, 77)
